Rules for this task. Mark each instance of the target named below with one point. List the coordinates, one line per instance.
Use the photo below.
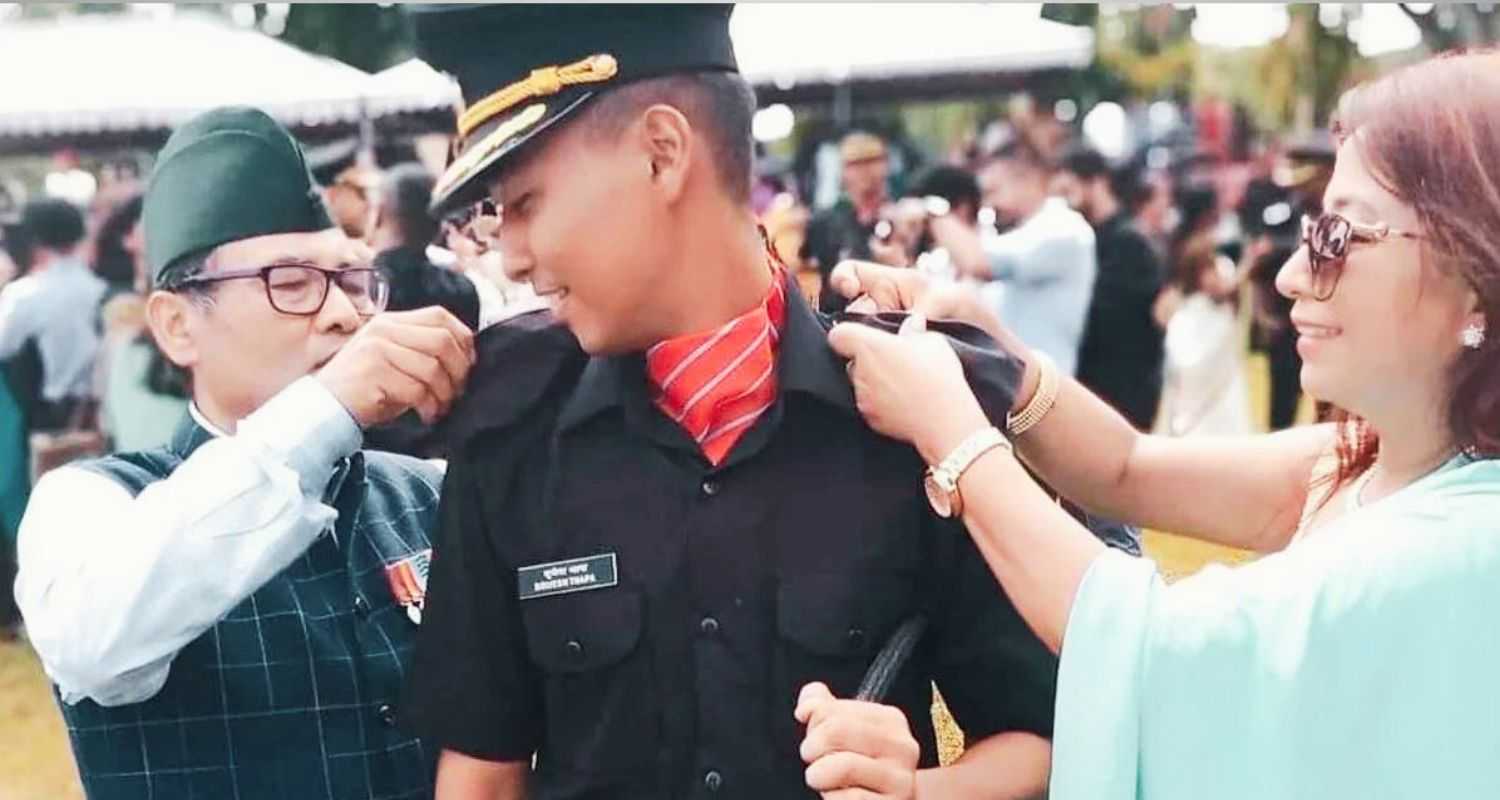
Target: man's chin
(600, 343)
(601, 347)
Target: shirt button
(710, 487)
(709, 626)
(574, 649)
(713, 781)
(361, 607)
(856, 638)
(387, 715)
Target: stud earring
(1473, 336)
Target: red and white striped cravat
(717, 384)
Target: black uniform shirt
(791, 562)
(1121, 356)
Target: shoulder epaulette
(522, 365)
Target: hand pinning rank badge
(408, 581)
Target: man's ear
(171, 318)
(667, 139)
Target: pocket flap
(842, 613)
(583, 631)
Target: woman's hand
(856, 750)
(876, 287)
(910, 386)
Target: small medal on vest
(408, 581)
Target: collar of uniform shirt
(807, 365)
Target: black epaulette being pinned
(521, 364)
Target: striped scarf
(717, 384)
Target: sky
(1381, 27)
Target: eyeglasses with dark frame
(1328, 238)
(302, 289)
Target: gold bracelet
(1041, 402)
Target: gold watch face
(937, 497)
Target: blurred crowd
(1145, 282)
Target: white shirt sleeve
(1036, 258)
(491, 302)
(13, 327)
(113, 586)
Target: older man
(231, 616)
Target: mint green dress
(1361, 662)
(15, 472)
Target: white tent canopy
(95, 74)
(98, 75)
(791, 44)
(412, 84)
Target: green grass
(35, 762)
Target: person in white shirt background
(1039, 273)
(41, 309)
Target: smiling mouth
(1316, 331)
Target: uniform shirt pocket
(830, 625)
(597, 680)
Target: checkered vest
(293, 693)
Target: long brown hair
(1431, 133)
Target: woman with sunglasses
(1358, 657)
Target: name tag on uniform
(567, 577)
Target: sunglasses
(1328, 238)
(479, 222)
(302, 289)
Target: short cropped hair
(954, 184)
(53, 223)
(184, 267)
(1022, 151)
(1125, 181)
(719, 105)
(406, 196)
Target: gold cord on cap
(542, 82)
(464, 166)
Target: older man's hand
(399, 361)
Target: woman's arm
(1244, 492)
(912, 387)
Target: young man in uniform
(223, 617)
(668, 516)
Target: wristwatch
(941, 481)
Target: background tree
(1446, 26)
(368, 36)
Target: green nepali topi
(228, 174)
